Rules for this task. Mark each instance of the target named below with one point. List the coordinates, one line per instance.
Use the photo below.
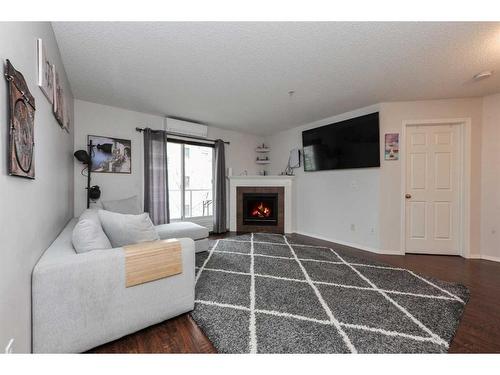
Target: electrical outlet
(10, 347)
(353, 227)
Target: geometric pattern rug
(266, 293)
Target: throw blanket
(149, 261)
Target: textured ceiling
(237, 75)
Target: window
(189, 180)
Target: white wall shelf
(261, 158)
(262, 149)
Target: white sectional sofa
(80, 301)
(185, 229)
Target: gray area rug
(263, 293)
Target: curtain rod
(140, 130)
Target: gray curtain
(156, 176)
(220, 188)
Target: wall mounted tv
(352, 143)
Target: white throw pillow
(127, 229)
(128, 206)
(88, 234)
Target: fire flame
(261, 211)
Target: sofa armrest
(81, 301)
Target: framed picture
(21, 159)
(58, 107)
(67, 115)
(391, 146)
(45, 72)
(111, 155)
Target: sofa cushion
(123, 229)
(88, 234)
(128, 206)
(181, 229)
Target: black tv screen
(352, 143)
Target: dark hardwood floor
(479, 330)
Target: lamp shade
(94, 192)
(82, 156)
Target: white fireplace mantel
(285, 181)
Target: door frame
(464, 178)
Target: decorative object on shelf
(85, 157)
(58, 99)
(262, 160)
(21, 124)
(45, 72)
(111, 155)
(391, 146)
(262, 148)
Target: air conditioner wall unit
(185, 127)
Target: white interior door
(432, 196)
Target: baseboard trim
(350, 244)
(473, 256)
(489, 257)
(483, 257)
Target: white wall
(32, 212)
(490, 179)
(392, 116)
(328, 202)
(97, 119)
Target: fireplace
(260, 208)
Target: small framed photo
(391, 146)
(67, 114)
(45, 72)
(58, 107)
(111, 155)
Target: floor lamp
(85, 157)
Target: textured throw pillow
(128, 206)
(127, 229)
(88, 234)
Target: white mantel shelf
(268, 177)
(278, 180)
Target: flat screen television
(352, 143)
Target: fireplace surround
(269, 181)
(260, 209)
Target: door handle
(407, 196)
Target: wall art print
(21, 160)
(111, 155)
(58, 108)
(45, 72)
(391, 146)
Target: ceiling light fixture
(482, 75)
